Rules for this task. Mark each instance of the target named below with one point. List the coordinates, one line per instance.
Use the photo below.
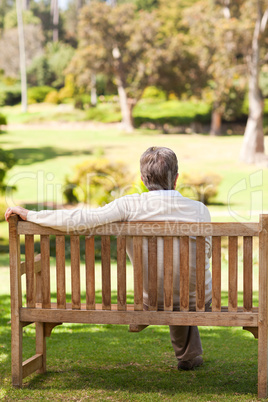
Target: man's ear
(142, 179)
(175, 183)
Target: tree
(117, 42)
(55, 19)
(23, 74)
(10, 48)
(222, 58)
(253, 144)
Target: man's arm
(73, 219)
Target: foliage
(104, 112)
(175, 113)
(3, 121)
(223, 57)
(199, 186)
(82, 101)
(69, 88)
(10, 20)
(48, 68)
(153, 92)
(9, 94)
(3, 207)
(9, 46)
(38, 94)
(7, 161)
(98, 181)
(52, 97)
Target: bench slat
(45, 271)
(216, 273)
(154, 229)
(29, 263)
(60, 269)
(232, 269)
(90, 272)
(138, 273)
(121, 274)
(168, 273)
(240, 319)
(152, 273)
(247, 273)
(200, 273)
(106, 272)
(184, 273)
(75, 272)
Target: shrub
(98, 181)
(199, 186)
(3, 207)
(52, 97)
(10, 95)
(3, 121)
(175, 113)
(38, 94)
(154, 93)
(7, 161)
(68, 90)
(106, 113)
(82, 101)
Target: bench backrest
(37, 270)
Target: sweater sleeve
(79, 219)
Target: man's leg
(187, 346)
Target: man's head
(159, 168)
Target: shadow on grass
(108, 358)
(28, 156)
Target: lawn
(106, 362)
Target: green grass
(105, 362)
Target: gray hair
(159, 168)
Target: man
(159, 173)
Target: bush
(10, 95)
(67, 91)
(154, 93)
(52, 97)
(38, 94)
(106, 113)
(3, 121)
(82, 101)
(175, 113)
(98, 181)
(3, 207)
(199, 186)
(7, 161)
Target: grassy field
(106, 362)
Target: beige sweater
(168, 205)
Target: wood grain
(90, 272)
(168, 273)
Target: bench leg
(40, 344)
(16, 353)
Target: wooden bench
(40, 310)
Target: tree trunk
(253, 143)
(126, 107)
(215, 128)
(93, 97)
(55, 19)
(23, 74)
(126, 104)
(26, 5)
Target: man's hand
(22, 212)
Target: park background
(85, 88)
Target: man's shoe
(190, 364)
